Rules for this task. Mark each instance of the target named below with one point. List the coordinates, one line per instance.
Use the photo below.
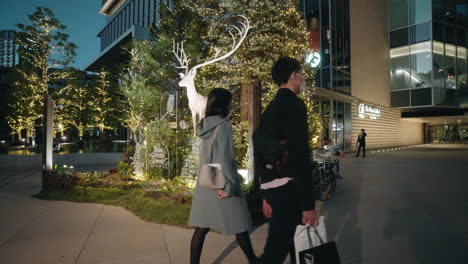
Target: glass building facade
(428, 42)
(329, 53)
(125, 20)
(7, 48)
(329, 41)
(143, 13)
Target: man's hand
(220, 194)
(309, 218)
(266, 209)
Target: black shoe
(356, 156)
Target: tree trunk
(254, 106)
(18, 131)
(80, 132)
(244, 102)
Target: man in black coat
(289, 199)
(362, 143)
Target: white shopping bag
(301, 240)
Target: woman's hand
(220, 194)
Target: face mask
(302, 87)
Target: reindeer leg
(194, 122)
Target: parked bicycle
(327, 170)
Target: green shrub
(63, 170)
(174, 187)
(125, 168)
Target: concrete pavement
(406, 206)
(49, 232)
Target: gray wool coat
(230, 215)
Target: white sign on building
(313, 59)
(368, 111)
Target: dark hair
(219, 101)
(362, 129)
(283, 68)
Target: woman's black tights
(196, 246)
(198, 239)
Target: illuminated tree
(278, 30)
(42, 46)
(24, 106)
(142, 98)
(109, 103)
(75, 103)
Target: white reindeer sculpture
(197, 102)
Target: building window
(111, 32)
(399, 38)
(438, 64)
(121, 24)
(127, 17)
(420, 32)
(421, 97)
(438, 9)
(132, 13)
(400, 98)
(400, 74)
(450, 62)
(462, 71)
(106, 33)
(451, 11)
(140, 12)
(143, 14)
(137, 10)
(438, 31)
(152, 11)
(421, 65)
(329, 40)
(450, 35)
(157, 7)
(117, 26)
(419, 11)
(439, 96)
(398, 13)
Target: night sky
(81, 17)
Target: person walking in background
(288, 196)
(224, 209)
(361, 141)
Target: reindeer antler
(242, 31)
(178, 50)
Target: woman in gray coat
(225, 209)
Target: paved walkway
(404, 206)
(49, 232)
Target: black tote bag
(326, 253)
